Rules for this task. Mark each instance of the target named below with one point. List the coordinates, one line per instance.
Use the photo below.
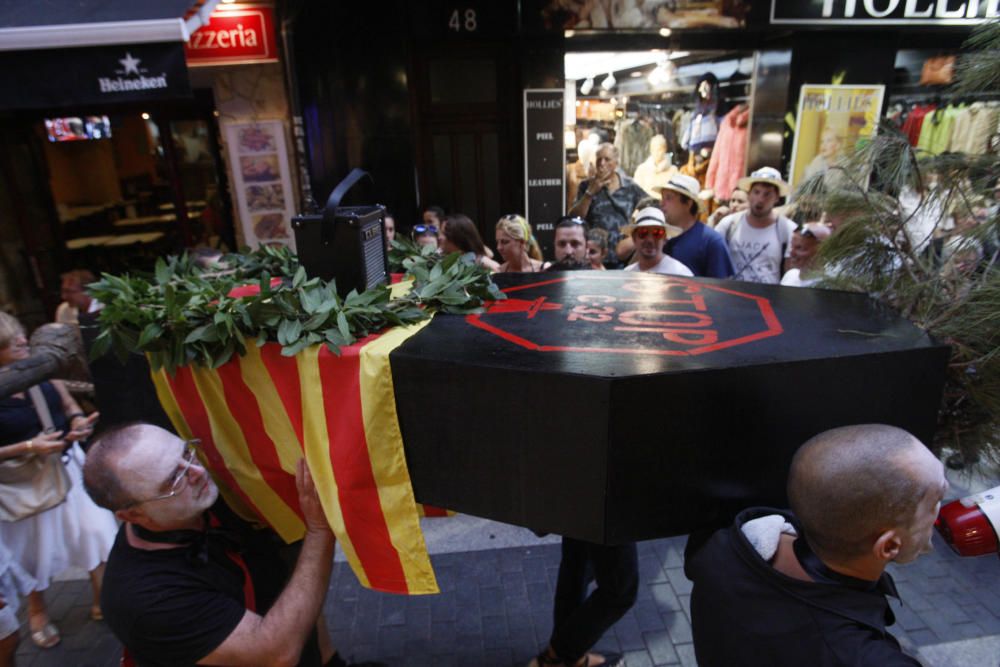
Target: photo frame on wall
(832, 121)
(262, 180)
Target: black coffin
(614, 406)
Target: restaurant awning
(55, 53)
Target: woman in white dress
(76, 533)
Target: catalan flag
(258, 414)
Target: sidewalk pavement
(495, 606)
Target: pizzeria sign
(234, 37)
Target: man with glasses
(649, 235)
(189, 583)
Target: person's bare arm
(80, 425)
(594, 185)
(277, 638)
(42, 444)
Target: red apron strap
(249, 596)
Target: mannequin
(657, 169)
(701, 134)
(581, 170)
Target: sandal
(47, 636)
(96, 613)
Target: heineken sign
(48, 78)
(884, 12)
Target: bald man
(808, 586)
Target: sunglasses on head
(575, 219)
(423, 229)
(806, 233)
(655, 232)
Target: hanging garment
(936, 131)
(914, 122)
(632, 142)
(725, 167)
(696, 166)
(973, 128)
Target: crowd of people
(181, 580)
(615, 224)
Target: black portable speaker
(346, 243)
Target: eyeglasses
(179, 481)
(655, 232)
(423, 229)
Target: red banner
(233, 37)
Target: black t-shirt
(172, 607)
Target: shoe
(47, 636)
(96, 613)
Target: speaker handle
(338, 192)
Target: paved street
(495, 606)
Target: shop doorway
(664, 111)
(463, 109)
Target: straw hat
(768, 175)
(684, 185)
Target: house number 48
(463, 19)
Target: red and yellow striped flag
(258, 414)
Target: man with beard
(809, 586)
(758, 238)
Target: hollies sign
(884, 12)
(233, 37)
(94, 75)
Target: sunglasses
(424, 229)
(806, 233)
(575, 219)
(655, 232)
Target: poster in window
(832, 122)
(262, 179)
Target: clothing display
(757, 254)
(76, 533)
(172, 607)
(728, 160)
(653, 173)
(632, 141)
(668, 266)
(914, 121)
(956, 128)
(936, 131)
(702, 250)
(697, 166)
(744, 613)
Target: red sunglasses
(655, 232)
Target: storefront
(150, 129)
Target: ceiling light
(674, 55)
(635, 75)
(609, 82)
(587, 86)
(664, 32)
(567, 34)
(145, 116)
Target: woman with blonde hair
(517, 246)
(74, 534)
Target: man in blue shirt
(698, 247)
